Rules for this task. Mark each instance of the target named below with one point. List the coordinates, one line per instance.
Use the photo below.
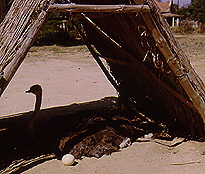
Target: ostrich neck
(36, 110)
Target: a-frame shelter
(146, 64)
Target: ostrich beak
(29, 91)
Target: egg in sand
(68, 159)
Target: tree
(57, 29)
(196, 11)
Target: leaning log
(18, 31)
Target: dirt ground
(70, 75)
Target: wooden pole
(174, 63)
(13, 53)
(97, 59)
(98, 8)
(137, 62)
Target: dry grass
(43, 53)
(193, 45)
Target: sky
(181, 2)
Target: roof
(172, 15)
(164, 6)
(146, 65)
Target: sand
(70, 75)
(67, 75)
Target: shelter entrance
(153, 77)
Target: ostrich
(92, 141)
(36, 90)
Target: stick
(19, 164)
(96, 57)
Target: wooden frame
(72, 7)
(184, 86)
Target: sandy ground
(70, 75)
(67, 75)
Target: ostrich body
(37, 91)
(94, 139)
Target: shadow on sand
(86, 129)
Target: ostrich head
(35, 89)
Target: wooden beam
(175, 64)
(96, 57)
(10, 70)
(72, 7)
(119, 62)
(137, 62)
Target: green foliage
(50, 28)
(196, 11)
(52, 33)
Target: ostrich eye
(36, 89)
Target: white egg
(68, 159)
